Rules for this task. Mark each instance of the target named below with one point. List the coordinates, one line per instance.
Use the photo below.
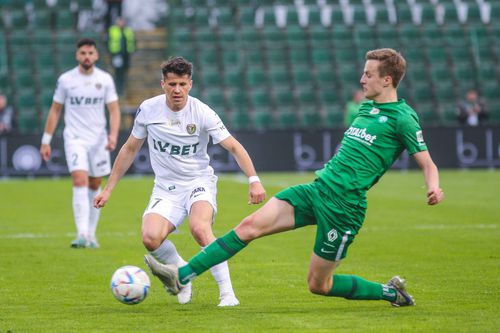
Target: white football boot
(186, 294)
(168, 274)
(228, 299)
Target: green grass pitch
(450, 255)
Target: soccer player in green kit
(336, 200)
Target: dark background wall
(283, 150)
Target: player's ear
(387, 81)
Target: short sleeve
(215, 127)
(410, 133)
(111, 94)
(60, 92)
(139, 130)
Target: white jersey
(84, 98)
(178, 140)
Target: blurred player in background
(352, 107)
(84, 91)
(178, 128)
(336, 200)
(472, 111)
(6, 114)
(121, 46)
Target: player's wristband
(46, 138)
(253, 179)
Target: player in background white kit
(84, 91)
(177, 127)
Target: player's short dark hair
(178, 66)
(86, 41)
(391, 64)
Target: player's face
(177, 88)
(87, 56)
(371, 81)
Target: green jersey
(376, 138)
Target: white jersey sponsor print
(84, 98)
(178, 140)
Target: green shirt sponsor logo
(360, 133)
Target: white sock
(81, 210)
(167, 254)
(221, 275)
(94, 214)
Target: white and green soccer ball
(130, 284)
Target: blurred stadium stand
(269, 64)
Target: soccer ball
(130, 284)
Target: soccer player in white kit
(177, 127)
(84, 91)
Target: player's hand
(46, 152)
(111, 143)
(257, 194)
(101, 199)
(435, 196)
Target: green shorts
(337, 221)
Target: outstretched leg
(274, 217)
(322, 282)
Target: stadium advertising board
(282, 150)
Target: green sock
(218, 251)
(354, 287)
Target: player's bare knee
(80, 182)
(318, 288)
(202, 236)
(247, 229)
(317, 285)
(150, 242)
(94, 183)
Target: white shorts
(175, 204)
(96, 159)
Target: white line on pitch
(367, 228)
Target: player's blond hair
(391, 64)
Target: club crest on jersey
(374, 111)
(382, 119)
(191, 128)
(332, 235)
(98, 86)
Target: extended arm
(114, 124)
(123, 161)
(50, 127)
(431, 174)
(257, 194)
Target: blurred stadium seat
(274, 64)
